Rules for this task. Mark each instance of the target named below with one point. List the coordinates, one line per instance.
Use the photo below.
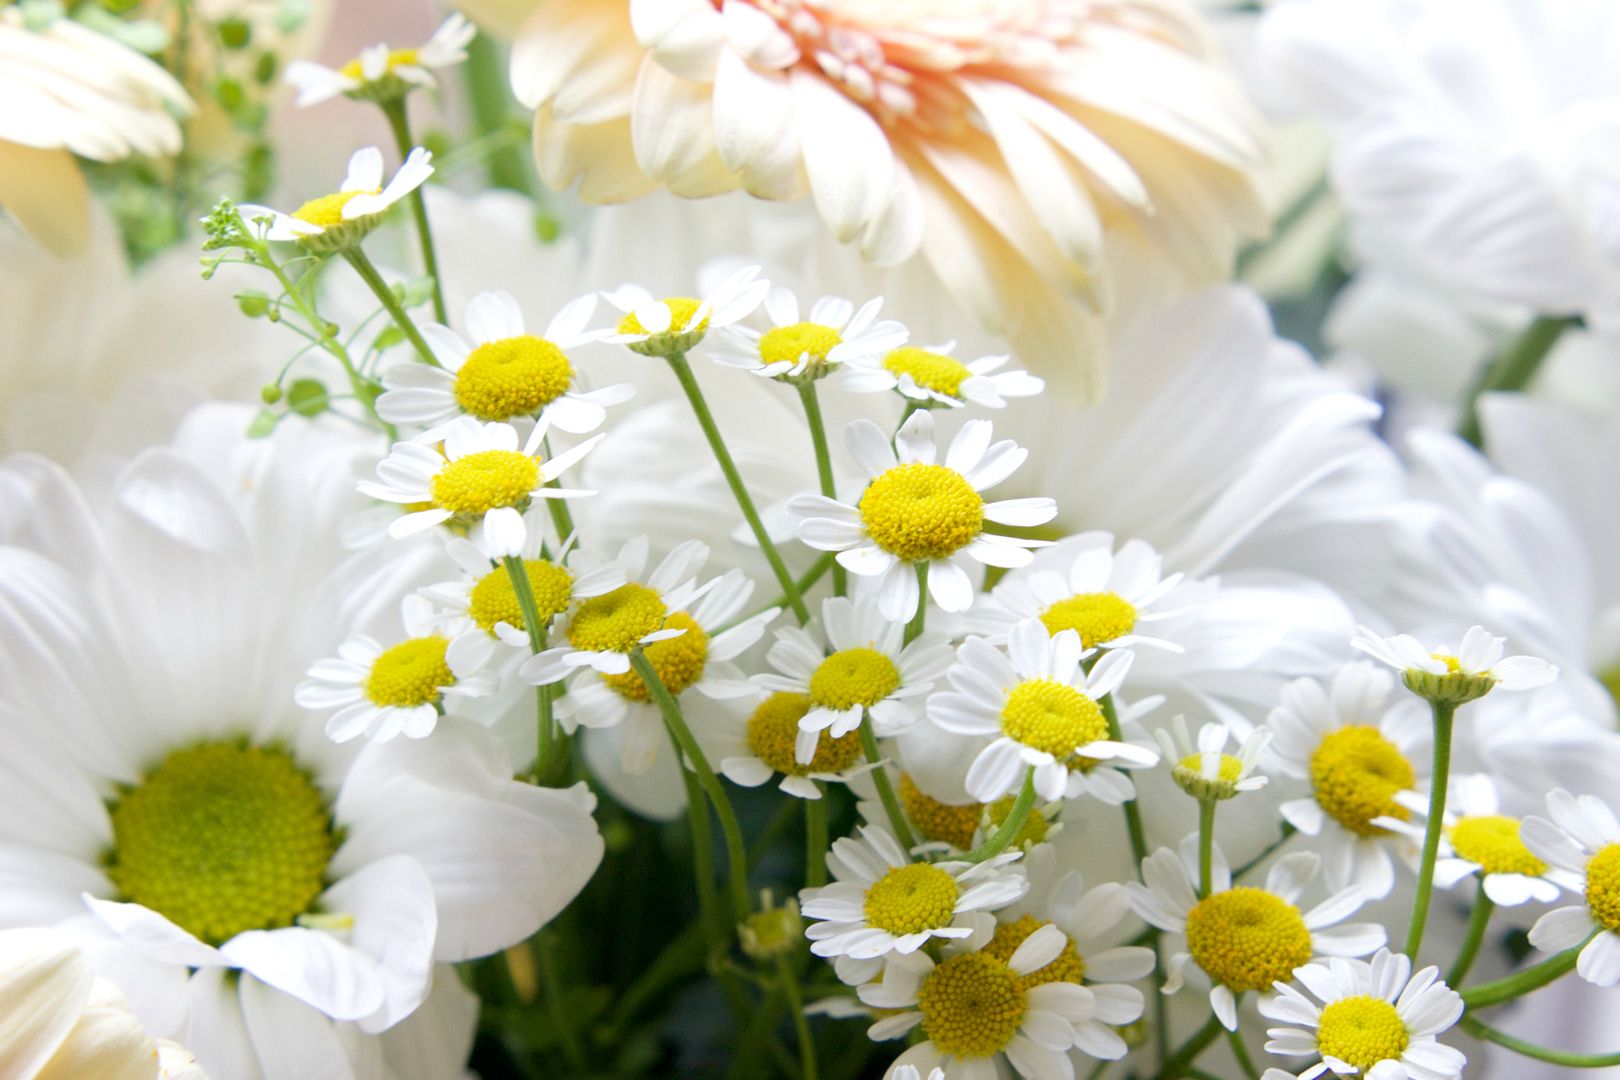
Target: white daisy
(1358, 751)
(654, 327)
(1469, 671)
(479, 475)
(756, 746)
(502, 373)
(1582, 845)
(336, 221)
(1377, 1019)
(1242, 938)
(1039, 707)
(881, 902)
(933, 377)
(916, 514)
(1203, 769)
(383, 72)
(835, 333)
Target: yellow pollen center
(1355, 774)
(516, 376)
(493, 600)
(221, 838)
(1453, 665)
(774, 727)
(929, 370)
(1247, 938)
(1097, 617)
(785, 344)
(1603, 886)
(485, 480)
(681, 310)
(327, 211)
(971, 1005)
(396, 58)
(615, 621)
(938, 821)
(1229, 770)
(1493, 842)
(1053, 717)
(920, 512)
(1068, 967)
(853, 677)
(1362, 1031)
(679, 661)
(410, 673)
(913, 898)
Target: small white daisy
(1203, 769)
(1039, 707)
(934, 377)
(480, 475)
(654, 327)
(341, 220)
(1243, 938)
(1374, 1021)
(383, 72)
(1582, 845)
(916, 512)
(756, 746)
(502, 373)
(1470, 671)
(835, 333)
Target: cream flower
(331, 222)
(675, 324)
(933, 377)
(1477, 661)
(1203, 769)
(1582, 844)
(809, 346)
(382, 71)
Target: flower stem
(1138, 839)
(1287, 831)
(545, 948)
(885, 790)
(1478, 919)
(815, 838)
(1012, 826)
(1133, 814)
(1177, 1063)
(824, 471)
(1241, 1052)
(523, 589)
(1481, 1030)
(1206, 846)
(385, 295)
(919, 618)
(1514, 368)
(487, 92)
(801, 1022)
(562, 518)
(715, 932)
(394, 110)
(694, 394)
(1443, 714)
(806, 581)
(1521, 983)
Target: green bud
(234, 32)
(229, 93)
(253, 303)
(546, 227)
(1453, 688)
(307, 397)
(772, 931)
(269, 393)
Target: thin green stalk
(1138, 839)
(1287, 831)
(1443, 715)
(1011, 826)
(1206, 846)
(1514, 368)
(1241, 1052)
(1523, 982)
(385, 295)
(1187, 1052)
(394, 110)
(885, 790)
(801, 1022)
(711, 431)
(824, 470)
(815, 838)
(1481, 1030)
(562, 518)
(919, 618)
(556, 1001)
(545, 742)
(487, 91)
(912, 406)
(806, 581)
(716, 932)
(1478, 919)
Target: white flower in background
(834, 333)
(1582, 844)
(1203, 769)
(341, 220)
(917, 513)
(382, 71)
(1358, 751)
(71, 91)
(1471, 670)
(933, 377)
(675, 324)
(763, 743)
(1243, 938)
(479, 476)
(502, 373)
(1377, 1019)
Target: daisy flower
(676, 324)
(932, 377)
(1358, 751)
(502, 373)
(1376, 1019)
(765, 743)
(798, 347)
(333, 222)
(1458, 675)
(1243, 938)
(1581, 843)
(1039, 706)
(916, 516)
(861, 669)
(1203, 769)
(380, 73)
(881, 902)
(479, 475)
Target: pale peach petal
(46, 193)
(846, 156)
(599, 156)
(672, 130)
(748, 131)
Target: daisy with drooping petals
(381, 73)
(1377, 1019)
(1470, 671)
(1582, 844)
(656, 327)
(503, 373)
(755, 747)
(1203, 769)
(334, 222)
(934, 378)
(480, 475)
(918, 517)
(835, 333)
(1241, 938)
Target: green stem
(806, 581)
(1206, 846)
(385, 295)
(562, 518)
(919, 618)
(912, 406)
(885, 790)
(1138, 839)
(1478, 919)
(1287, 831)
(1523, 982)
(1011, 826)
(815, 838)
(715, 931)
(1241, 1052)
(1514, 368)
(394, 110)
(1481, 1030)
(1443, 714)
(694, 394)
(485, 72)
(556, 1001)
(824, 470)
(801, 1022)
(1177, 1063)
(523, 589)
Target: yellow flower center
(484, 480)
(410, 673)
(913, 898)
(774, 726)
(1603, 886)
(1052, 716)
(1097, 617)
(678, 661)
(971, 1005)
(396, 58)
(1610, 678)
(920, 512)
(929, 370)
(853, 677)
(934, 820)
(1355, 774)
(493, 600)
(1068, 967)
(327, 211)
(1493, 842)
(516, 376)
(222, 838)
(1247, 938)
(1362, 1031)
(681, 310)
(1036, 826)
(1453, 665)
(615, 621)
(788, 343)
(1229, 770)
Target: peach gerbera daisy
(1033, 151)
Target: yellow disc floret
(327, 211)
(1362, 1031)
(919, 512)
(1355, 775)
(1052, 716)
(774, 726)
(853, 677)
(938, 821)
(1603, 886)
(786, 344)
(615, 621)
(971, 1005)
(515, 376)
(1068, 967)
(1492, 841)
(913, 898)
(410, 674)
(1247, 938)
(1229, 769)
(929, 370)
(679, 661)
(1096, 617)
(396, 58)
(494, 601)
(221, 838)
(484, 480)
(681, 310)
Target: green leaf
(264, 422)
(390, 336)
(307, 397)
